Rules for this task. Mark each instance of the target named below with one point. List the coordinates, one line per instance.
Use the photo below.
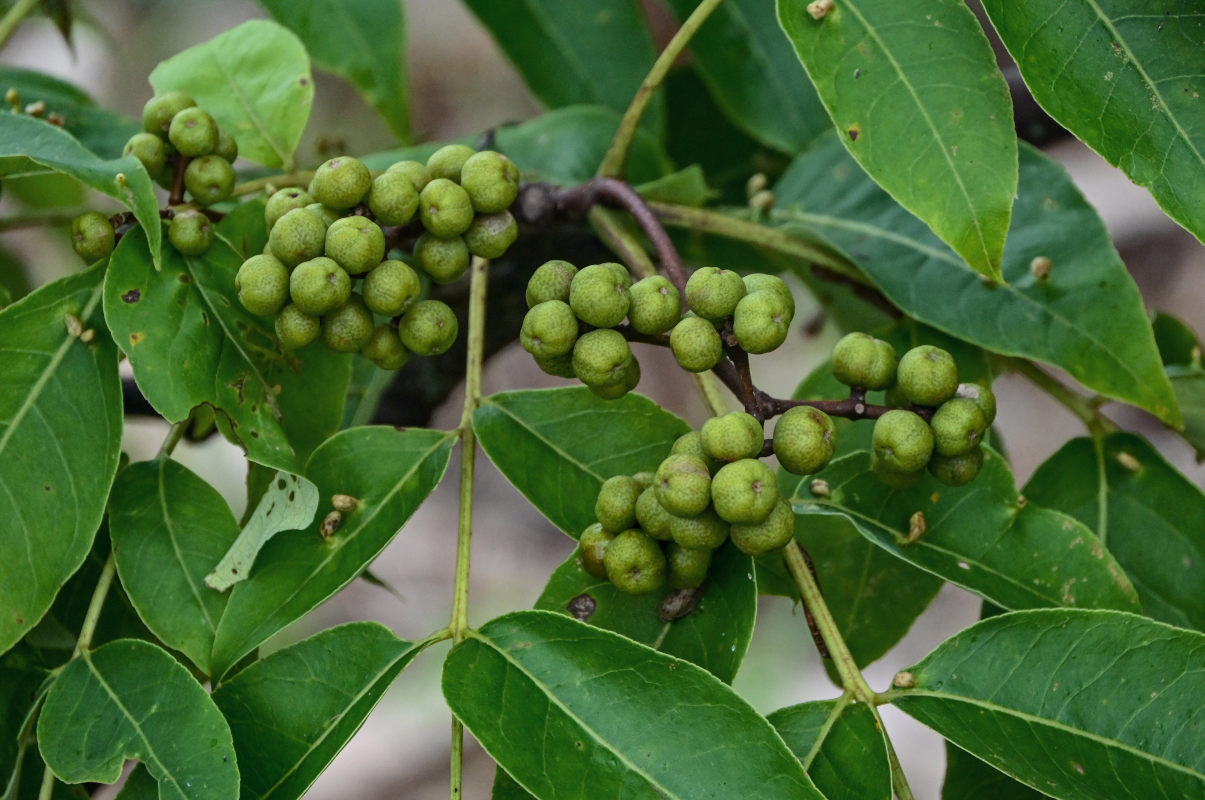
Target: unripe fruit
(744, 491)
(621, 272)
(958, 426)
(653, 519)
(732, 436)
(957, 470)
(444, 208)
(297, 236)
(558, 366)
(861, 360)
(190, 232)
(92, 236)
(600, 357)
(491, 180)
(392, 199)
(683, 485)
(227, 146)
(341, 182)
(760, 281)
(687, 569)
(902, 441)
(598, 296)
(691, 444)
(893, 477)
(295, 328)
(283, 201)
(150, 150)
(982, 397)
(635, 563)
(927, 375)
(644, 479)
(329, 216)
(193, 132)
(158, 112)
(626, 380)
(491, 235)
(356, 243)
(416, 171)
(429, 328)
(385, 348)
(655, 306)
(615, 508)
(713, 293)
(209, 179)
(348, 327)
(319, 286)
(550, 281)
(696, 344)
(804, 440)
(263, 284)
(761, 321)
(390, 288)
(703, 531)
(549, 329)
(447, 161)
(594, 542)
(766, 536)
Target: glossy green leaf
(715, 636)
(1087, 317)
(980, 536)
(568, 54)
(539, 440)
(130, 699)
(1189, 385)
(255, 81)
(291, 713)
(1075, 703)
(361, 41)
(1121, 77)
(686, 187)
(244, 228)
(507, 788)
(191, 342)
(98, 129)
(616, 718)
(169, 527)
(60, 437)
(840, 745)
(389, 472)
(968, 778)
(29, 146)
(923, 108)
(753, 74)
(1143, 510)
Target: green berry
(444, 260)
(902, 441)
(295, 328)
(209, 179)
(447, 161)
(683, 485)
(158, 112)
(635, 563)
(283, 201)
(491, 235)
(349, 327)
(691, 444)
(341, 182)
(429, 328)
(615, 508)
(861, 360)
(329, 216)
(297, 236)
(391, 288)
(703, 531)
(766, 536)
(263, 284)
(356, 243)
(894, 478)
(927, 375)
(319, 286)
(193, 133)
(982, 396)
(444, 208)
(601, 357)
(761, 321)
(653, 519)
(549, 329)
(558, 366)
(696, 344)
(732, 436)
(644, 479)
(491, 180)
(92, 236)
(713, 293)
(687, 568)
(551, 281)
(621, 272)
(594, 542)
(385, 348)
(416, 171)
(760, 281)
(392, 198)
(804, 440)
(625, 382)
(598, 296)
(744, 491)
(150, 150)
(958, 427)
(655, 306)
(190, 232)
(957, 470)
(227, 146)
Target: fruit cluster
(324, 241)
(572, 327)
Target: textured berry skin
(340, 182)
(444, 260)
(263, 284)
(356, 243)
(732, 436)
(766, 536)
(691, 444)
(600, 357)
(491, 235)
(761, 321)
(744, 491)
(598, 297)
(983, 397)
(385, 348)
(893, 477)
(297, 236)
(696, 344)
(958, 427)
(549, 330)
(656, 305)
(615, 508)
(444, 208)
(687, 569)
(429, 328)
(713, 293)
(704, 531)
(902, 441)
(653, 519)
(295, 328)
(391, 288)
(760, 281)
(626, 380)
(92, 236)
(447, 161)
(392, 199)
(635, 563)
(329, 216)
(863, 361)
(594, 542)
(349, 327)
(150, 150)
(193, 133)
(319, 286)
(209, 179)
(804, 440)
(227, 147)
(957, 470)
(550, 281)
(683, 485)
(416, 171)
(927, 375)
(283, 201)
(557, 366)
(158, 112)
(491, 180)
(190, 232)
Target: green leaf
(568, 54)
(840, 745)
(190, 341)
(980, 536)
(1143, 510)
(616, 719)
(139, 785)
(923, 108)
(753, 74)
(291, 713)
(968, 778)
(389, 472)
(1189, 385)
(1113, 73)
(360, 41)
(168, 528)
(1178, 344)
(244, 228)
(506, 788)
(255, 81)
(539, 440)
(1075, 703)
(98, 129)
(1087, 317)
(715, 636)
(60, 438)
(130, 699)
(687, 186)
(29, 146)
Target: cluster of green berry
(903, 443)
(659, 528)
(573, 315)
(323, 241)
